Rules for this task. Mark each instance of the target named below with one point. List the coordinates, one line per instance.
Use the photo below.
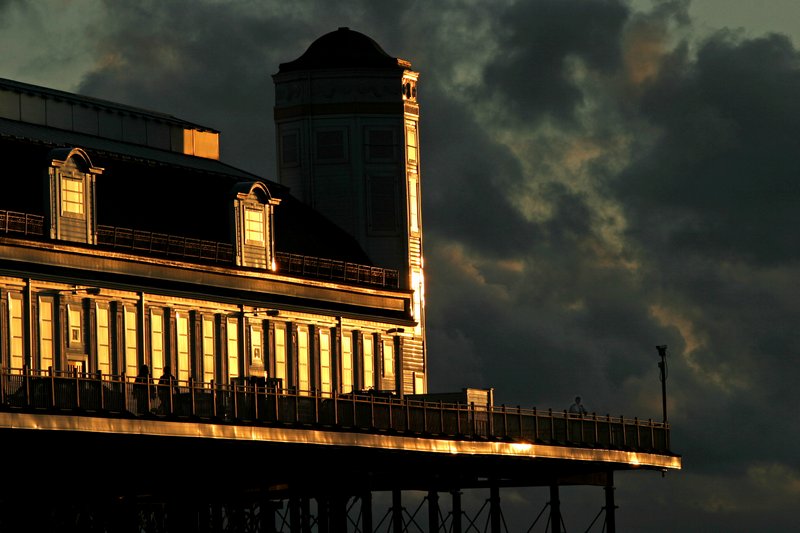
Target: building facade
(138, 248)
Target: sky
(598, 177)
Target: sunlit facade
(155, 301)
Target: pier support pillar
(433, 511)
(494, 508)
(611, 518)
(555, 509)
(456, 511)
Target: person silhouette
(577, 408)
(165, 383)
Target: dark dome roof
(343, 48)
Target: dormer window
(252, 222)
(72, 191)
(72, 195)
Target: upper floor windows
(253, 225)
(72, 191)
(253, 209)
(72, 195)
(331, 145)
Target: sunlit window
(131, 356)
(208, 349)
(74, 323)
(72, 195)
(325, 383)
(368, 365)
(183, 346)
(347, 362)
(411, 142)
(413, 206)
(254, 225)
(156, 343)
(46, 343)
(103, 340)
(256, 347)
(17, 358)
(280, 353)
(388, 358)
(303, 375)
(233, 348)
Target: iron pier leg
(305, 515)
(337, 512)
(433, 511)
(611, 519)
(397, 511)
(323, 516)
(366, 512)
(555, 509)
(268, 509)
(456, 511)
(294, 514)
(494, 508)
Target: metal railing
(329, 269)
(266, 403)
(184, 248)
(163, 244)
(22, 223)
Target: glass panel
(233, 348)
(303, 377)
(256, 349)
(156, 344)
(325, 362)
(347, 362)
(15, 325)
(46, 344)
(72, 195)
(131, 356)
(413, 208)
(280, 353)
(208, 349)
(254, 225)
(74, 319)
(369, 372)
(388, 358)
(183, 347)
(103, 341)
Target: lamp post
(662, 365)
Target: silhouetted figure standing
(141, 390)
(165, 383)
(577, 408)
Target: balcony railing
(164, 245)
(268, 404)
(186, 249)
(329, 269)
(22, 223)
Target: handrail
(362, 411)
(161, 244)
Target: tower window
(382, 204)
(330, 145)
(290, 149)
(380, 145)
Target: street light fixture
(662, 365)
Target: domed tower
(347, 118)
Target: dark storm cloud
(723, 178)
(532, 75)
